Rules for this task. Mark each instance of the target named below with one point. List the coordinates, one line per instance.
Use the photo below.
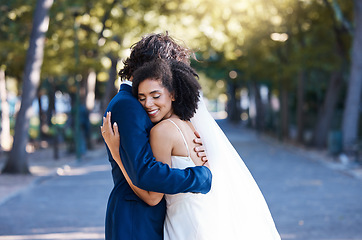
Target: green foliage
(226, 36)
(15, 26)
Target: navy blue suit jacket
(128, 217)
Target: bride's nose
(148, 102)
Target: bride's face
(155, 99)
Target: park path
(308, 199)
(69, 204)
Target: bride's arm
(111, 137)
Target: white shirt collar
(129, 83)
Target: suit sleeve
(137, 157)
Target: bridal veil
(235, 207)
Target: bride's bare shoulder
(164, 128)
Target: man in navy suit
(128, 217)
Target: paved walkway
(64, 199)
(310, 197)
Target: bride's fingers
(115, 129)
(198, 141)
(203, 156)
(106, 127)
(103, 123)
(197, 134)
(206, 164)
(199, 149)
(108, 123)
(103, 128)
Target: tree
(17, 161)
(5, 137)
(352, 105)
(326, 113)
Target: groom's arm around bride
(136, 154)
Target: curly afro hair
(154, 46)
(178, 78)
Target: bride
(235, 207)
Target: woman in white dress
(235, 207)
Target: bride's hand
(200, 149)
(206, 164)
(110, 135)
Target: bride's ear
(173, 97)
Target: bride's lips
(152, 113)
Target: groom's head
(151, 47)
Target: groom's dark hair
(178, 78)
(151, 47)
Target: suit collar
(127, 82)
(126, 87)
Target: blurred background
(287, 68)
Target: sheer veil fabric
(235, 207)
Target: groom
(128, 217)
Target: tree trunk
(55, 126)
(300, 106)
(110, 88)
(259, 119)
(353, 99)
(232, 107)
(17, 161)
(41, 116)
(5, 136)
(91, 85)
(51, 101)
(325, 115)
(111, 91)
(284, 114)
(51, 111)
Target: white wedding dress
(185, 211)
(234, 209)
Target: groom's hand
(200, 149)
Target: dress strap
(183, 137)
